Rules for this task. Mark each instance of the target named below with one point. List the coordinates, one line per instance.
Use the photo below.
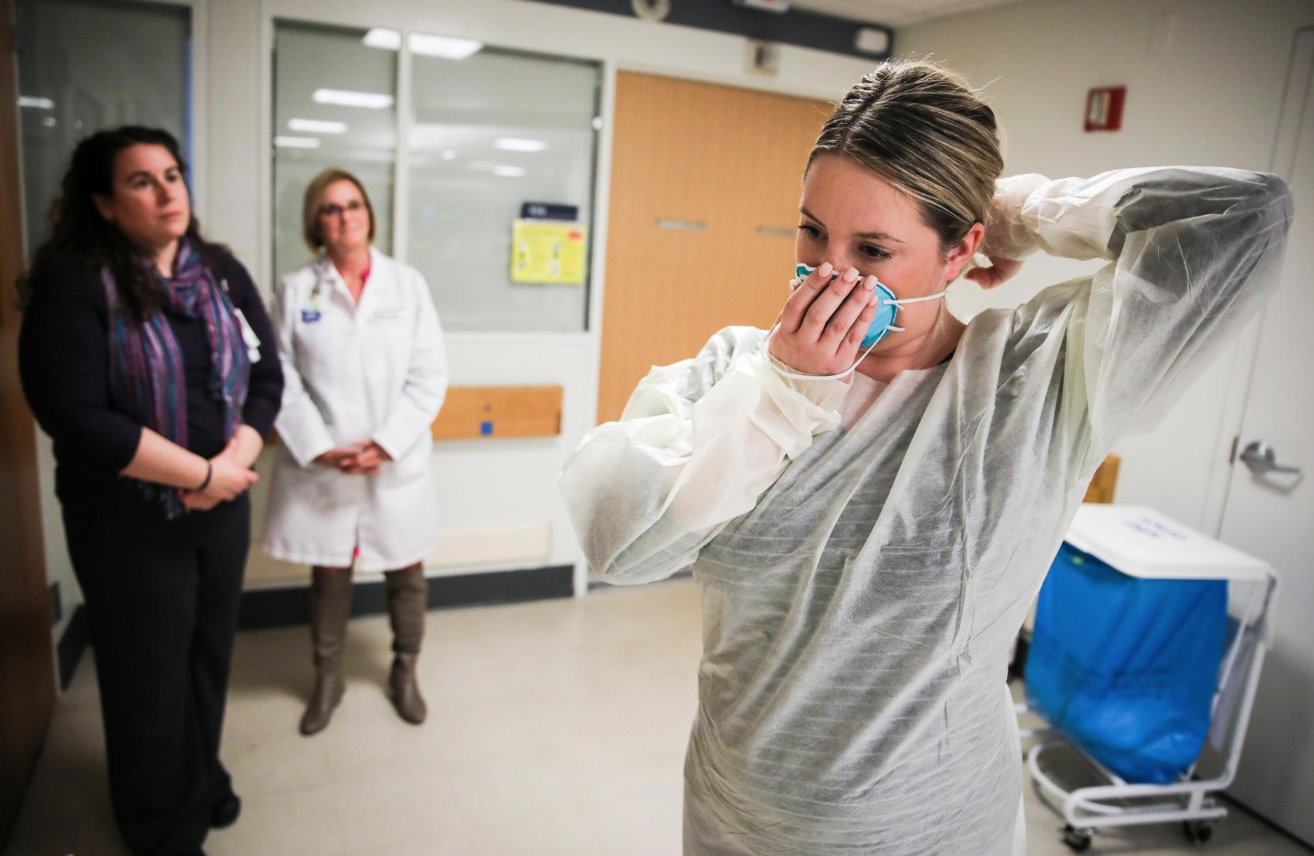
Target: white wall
(1204, 85)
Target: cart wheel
(1199, 831)
(1078, 840)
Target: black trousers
(162, 599)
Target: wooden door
(705, 184)
(27, 678)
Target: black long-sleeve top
(63, 361)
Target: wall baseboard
(284, 607)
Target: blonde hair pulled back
(925, 131)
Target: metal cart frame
(1190, 800)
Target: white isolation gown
(861, 585)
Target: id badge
(249, 337)
(311, 315)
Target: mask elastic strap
(798, 376)
(935, 296)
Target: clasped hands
(230, 472)
(363, 460)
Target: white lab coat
(369, 371)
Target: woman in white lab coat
(353, 484)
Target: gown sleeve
(1192, 255)
(697, 445)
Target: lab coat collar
(328, 272)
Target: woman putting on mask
(867, 544)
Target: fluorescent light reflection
(316, 126)
(509, 171)
(381, 37)
(445, 47)
(297, 142)
(35, 103)
(348, 98)
(515, 144)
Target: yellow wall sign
(548, 252)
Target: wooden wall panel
(731, 159)
(474, 412)
(27, 678)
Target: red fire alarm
(1104, 108)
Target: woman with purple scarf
(147, 356)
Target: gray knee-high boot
(408, 595)
(330, 607)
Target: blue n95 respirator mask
(887, 311)
(887, 306)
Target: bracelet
(209, 471)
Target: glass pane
(334, 105)
(491, 132)
(85, 67)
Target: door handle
(1262, 459)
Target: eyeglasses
(332, 210)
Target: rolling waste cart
(1144, 659)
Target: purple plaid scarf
(146, 366)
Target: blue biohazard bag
(1126, 668)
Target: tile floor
(555, 727)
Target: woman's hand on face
(1000, 270)
(824, 322)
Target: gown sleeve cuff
(1007, 233)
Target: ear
(105, 206)
(962, 252)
